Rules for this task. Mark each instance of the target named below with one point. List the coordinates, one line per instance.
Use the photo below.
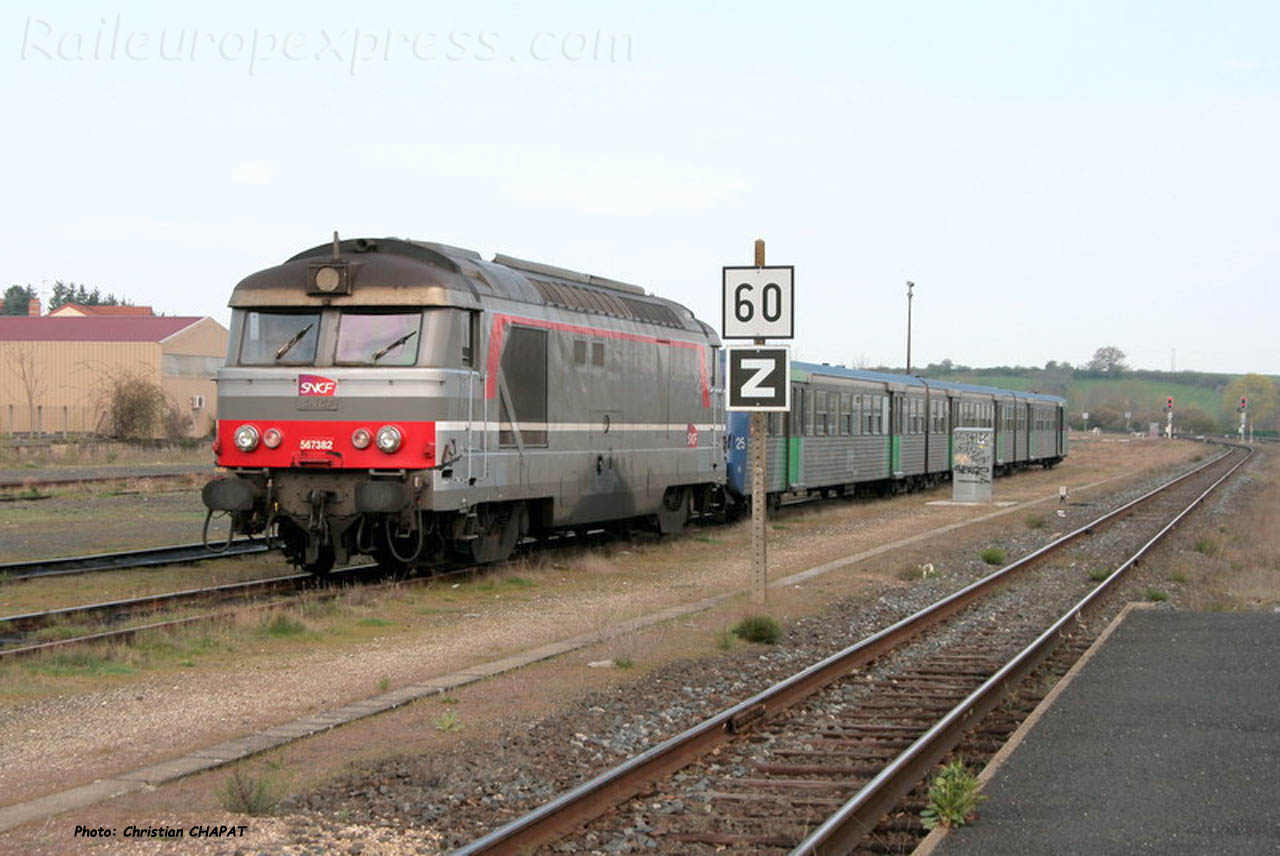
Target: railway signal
(756, 303)
(758, 379)
(1244, 402)
(1168, 403)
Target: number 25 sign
(758, 303)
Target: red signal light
(1244, 402)
(1168, 403)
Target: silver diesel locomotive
(413, 402)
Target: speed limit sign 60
(758, 303)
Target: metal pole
(910, 286)
(759, 548)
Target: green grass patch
(758, 628)
(1099, 574)
(281, 627)
(1036, 521)
(375, 622)
(623, 662)
(1178, 577)
(993, 556)
(1208, 547)
(1156, 595)
(78, 664)
(449, 721)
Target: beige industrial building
(56, 371)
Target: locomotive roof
(397, 272)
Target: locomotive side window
(378, 339)
(279, 338)
(470, 328)
(579, 352)
(524, 368)
(597, 353)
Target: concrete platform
(1167, 741)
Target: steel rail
(30, 620)
(37, 482)
(592, 798)
(841, 832)
(287, 583)
(125, 560)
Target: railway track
(126, 559)
(814, 763)
(16, 631)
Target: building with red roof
(56, 371)
(81, 310)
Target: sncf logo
(310, 384)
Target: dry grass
(1235, 565)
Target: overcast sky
(1054, 177)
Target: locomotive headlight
(271, 438)
(389, 438)
(328, 279)
(246, 438)
(360, 438)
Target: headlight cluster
(389, 438)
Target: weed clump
(246, 794)
(993, 556)
(758, 628)
(953, 797)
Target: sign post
(758, 302)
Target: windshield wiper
(297, 337)
(382, 352)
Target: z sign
(759, 378)
(309, 384)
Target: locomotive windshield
(370, 339)
(280, 338)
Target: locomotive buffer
(757, 303)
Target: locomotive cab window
(279, 338)
(378, 339)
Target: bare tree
(29, 371)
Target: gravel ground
(419, 791)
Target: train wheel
(500, 532)
(322, 564)
(674, 513)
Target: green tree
(16, 299)
(1109, 359)
(70, 292)
(1263, 401)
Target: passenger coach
(850, 430)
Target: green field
(1200, 400)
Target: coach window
(597, 353)
(280, 338)
(580, 352)
(820, 412)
